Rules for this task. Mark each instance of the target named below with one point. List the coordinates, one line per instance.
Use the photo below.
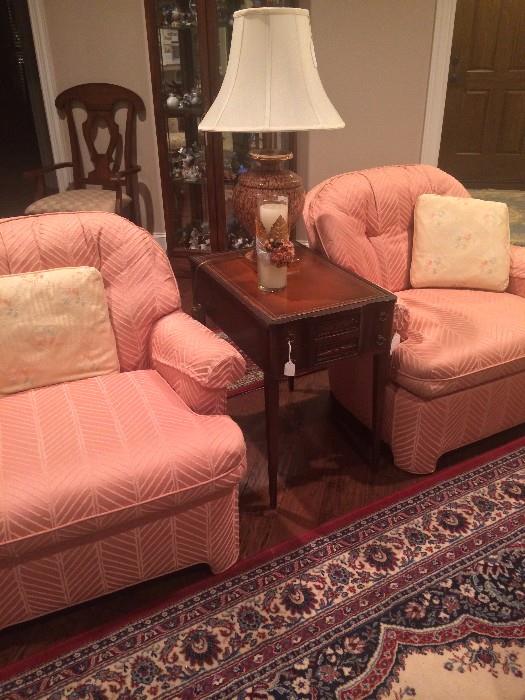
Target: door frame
(438, 80)
(57, 135)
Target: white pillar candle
(269, 212)
(270, 276)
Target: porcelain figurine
(196, 94)
(176, 17)
(173, 101)
(194, 239)
(192, 174)
(167, 16)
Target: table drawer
(349, 322)
(333, 347)
(335, 337)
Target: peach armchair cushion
(459, 339)
(129, 451)
(54, 327)
(192, 358)
(460, 243)
(90, 199)
(138, 279)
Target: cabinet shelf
(179, 26)
(193, 111)
(184, 250)
(181, 181)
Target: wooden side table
(325, 313)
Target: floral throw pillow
(54, 328)
(460, 242)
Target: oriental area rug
(421, 596)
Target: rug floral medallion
(422, 598)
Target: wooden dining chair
(111, 185)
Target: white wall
(105, 41)
(374, 62)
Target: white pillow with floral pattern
(460, 242)
(54, 328)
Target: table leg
(271, 403)
(381, 369)
(291, 383)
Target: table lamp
(271, 85)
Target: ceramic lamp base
(267, 176)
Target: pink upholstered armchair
(108, 481)
(459, 373)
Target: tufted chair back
(138, 280)
(364, 220)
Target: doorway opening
(483, 135)
(24, 136)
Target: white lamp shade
(271, 82)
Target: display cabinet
(189, 41)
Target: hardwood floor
(321, 477)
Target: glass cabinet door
(182, 103)
(189, 43)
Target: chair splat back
(100, 101)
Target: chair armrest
(38, 175)
(517, 271)
(129, 171)
(31, 174)
(121, 178)
(194, 361)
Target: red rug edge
(84, 638)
